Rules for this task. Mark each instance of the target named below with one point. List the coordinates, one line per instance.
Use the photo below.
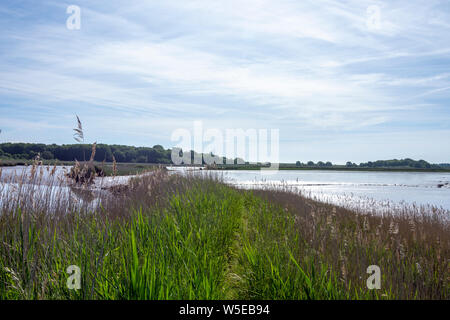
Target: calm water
(15, 184)
(43, 176)
(339, 187)
(420, 188)
(15, 174)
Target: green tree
(47, 155)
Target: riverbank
(128, 168)
(189, 237)
(335, 168)
(122, 169)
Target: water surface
(420, 188)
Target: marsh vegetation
(171, 236)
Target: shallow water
(43, 174)
(361, 187)
(50, 190)
(358, 188)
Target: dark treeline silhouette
(81, 152)
(104, 152)
(157, 154)
(422, 164)
(312, 164)
(394, 163)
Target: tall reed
(167, 236)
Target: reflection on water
(43, 174)
(83, 194)
(49, 188)
(43, 188)
(360, 187)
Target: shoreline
(132, 167)
(335, 169)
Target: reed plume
(79, 134)
(114, 166)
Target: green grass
(179, 251)
(192, 238)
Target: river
(358, 188)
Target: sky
(341, 80)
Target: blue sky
(337, 85)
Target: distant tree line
(104, 152)
(312, 164)
(403, 163)
(420, 164)
(81, 152)
(157, 154)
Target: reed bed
(320, 251)
(170, 236)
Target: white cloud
(299, 66)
